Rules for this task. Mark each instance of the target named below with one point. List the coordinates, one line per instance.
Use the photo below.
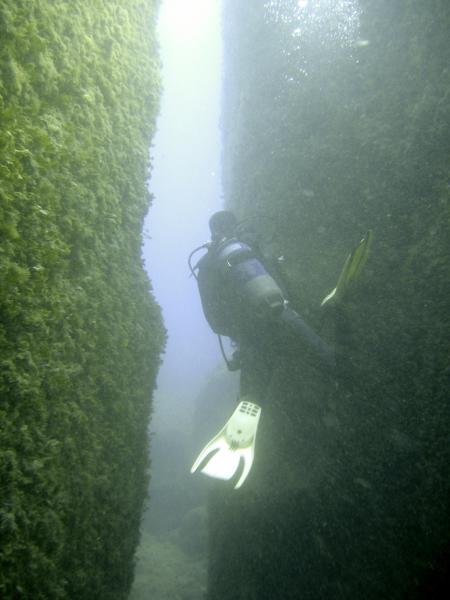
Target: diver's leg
(313, 345)
(256, 371)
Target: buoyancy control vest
(235, 286)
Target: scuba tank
(246, 274)
(235, 286)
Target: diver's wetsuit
(266, 329)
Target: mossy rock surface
(330, 131)
(80, 333)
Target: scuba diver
(244, 298)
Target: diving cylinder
(249, 277)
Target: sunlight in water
(186, 20)
(333, 22)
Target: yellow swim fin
(353, 265)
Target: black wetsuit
(264, 333)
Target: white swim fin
(233, 444)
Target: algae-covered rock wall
(80, 333)
(336, 120)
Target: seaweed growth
(325, 137)
(80, 333)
